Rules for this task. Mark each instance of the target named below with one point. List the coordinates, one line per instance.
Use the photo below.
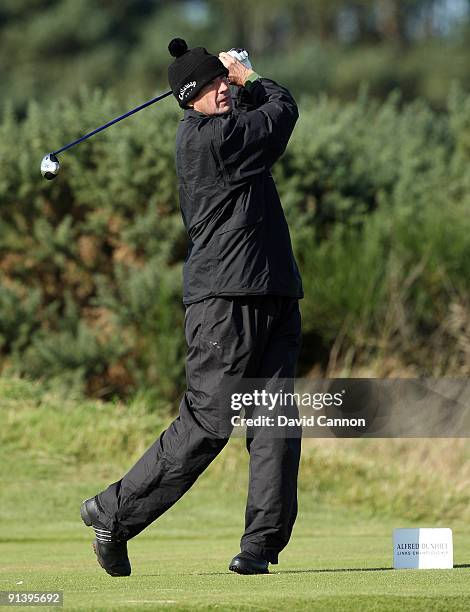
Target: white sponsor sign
(423, 549)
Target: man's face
(214, 98)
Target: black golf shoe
(110, 552)
(247, 563)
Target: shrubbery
(377, 197)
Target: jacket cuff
(252, 79)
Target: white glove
(242, 56)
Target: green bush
(377, 199)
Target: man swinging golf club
(241, 293)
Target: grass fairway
(339, 558)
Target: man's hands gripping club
(238, 72)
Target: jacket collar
(191, 113)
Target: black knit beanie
(191, 70)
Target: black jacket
(239, 239)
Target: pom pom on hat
(177, 47)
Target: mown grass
(55, 452)
(338, 559)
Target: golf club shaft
(107, 125)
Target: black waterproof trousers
(229, 338)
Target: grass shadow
(335, 570)
(277, 573)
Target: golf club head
(50, 166)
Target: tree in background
(277, 22)
(51, 47)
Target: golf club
(50, 165)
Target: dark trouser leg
(176, 459)
(272, 501)
(161, 476)
(274, 460)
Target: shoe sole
(239, 570)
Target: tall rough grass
(417, 480)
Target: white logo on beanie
(186, 89)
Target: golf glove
(242, 56)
